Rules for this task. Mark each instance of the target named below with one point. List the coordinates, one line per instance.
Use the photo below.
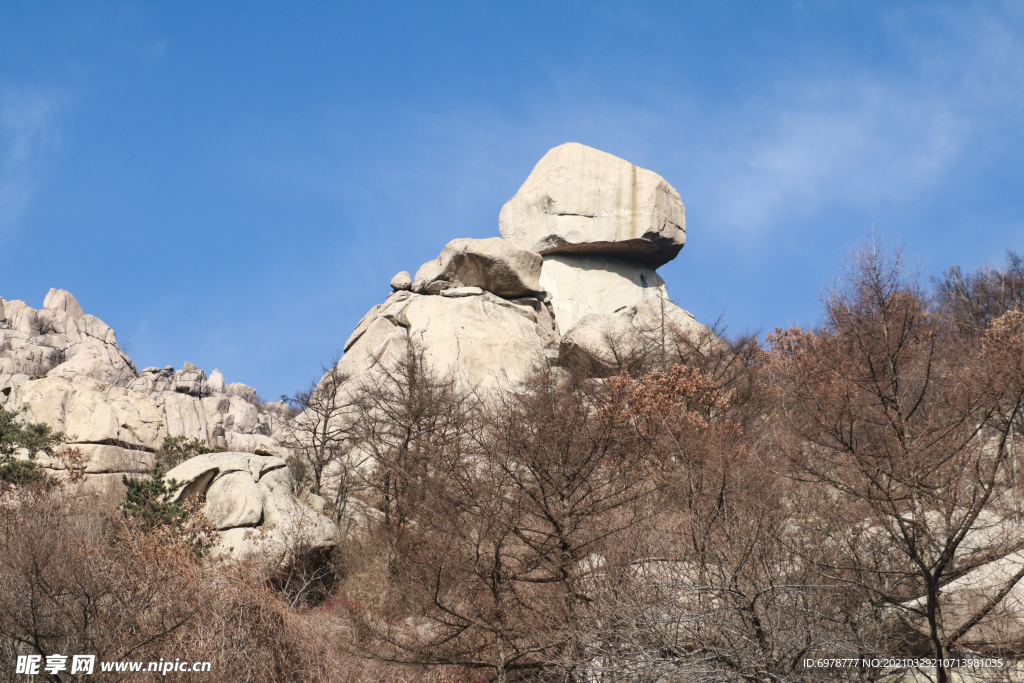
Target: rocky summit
(572, 279)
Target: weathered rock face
(250, 498)
(234, 500)
(582, 284)
(494, 265)
(64, 368)
(191, 380)
(604, 344)
(90, 411)
(61, 300)
(115, 430)
(59, 340)
(482, 338)
(582, 200)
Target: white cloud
(863, 137)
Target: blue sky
(234, 184)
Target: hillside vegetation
(724, 512)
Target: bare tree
(971, 301)
(319, 437)
(406, 413)
(910, 425)
(510, 521)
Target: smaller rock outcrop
(401, 281)
(191, 380)
(493, 264)
(64, 368)
(59, 340)
(251, 500)
(483, 338)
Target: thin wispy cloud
(861, 138)
(28, 130)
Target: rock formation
(59, 340)
(251, 500)
(64, 367)
(573, 279)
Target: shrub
(33, 437)
(25, 473)
(147, 501)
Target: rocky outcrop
(47, 355)
(573, 281)
(480, 337)
(63, 367)
(91, 412)
(582, 200)
(251, 500)
(59, 340)
(493, 265)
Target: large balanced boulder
(493, 264)
(580, 199)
